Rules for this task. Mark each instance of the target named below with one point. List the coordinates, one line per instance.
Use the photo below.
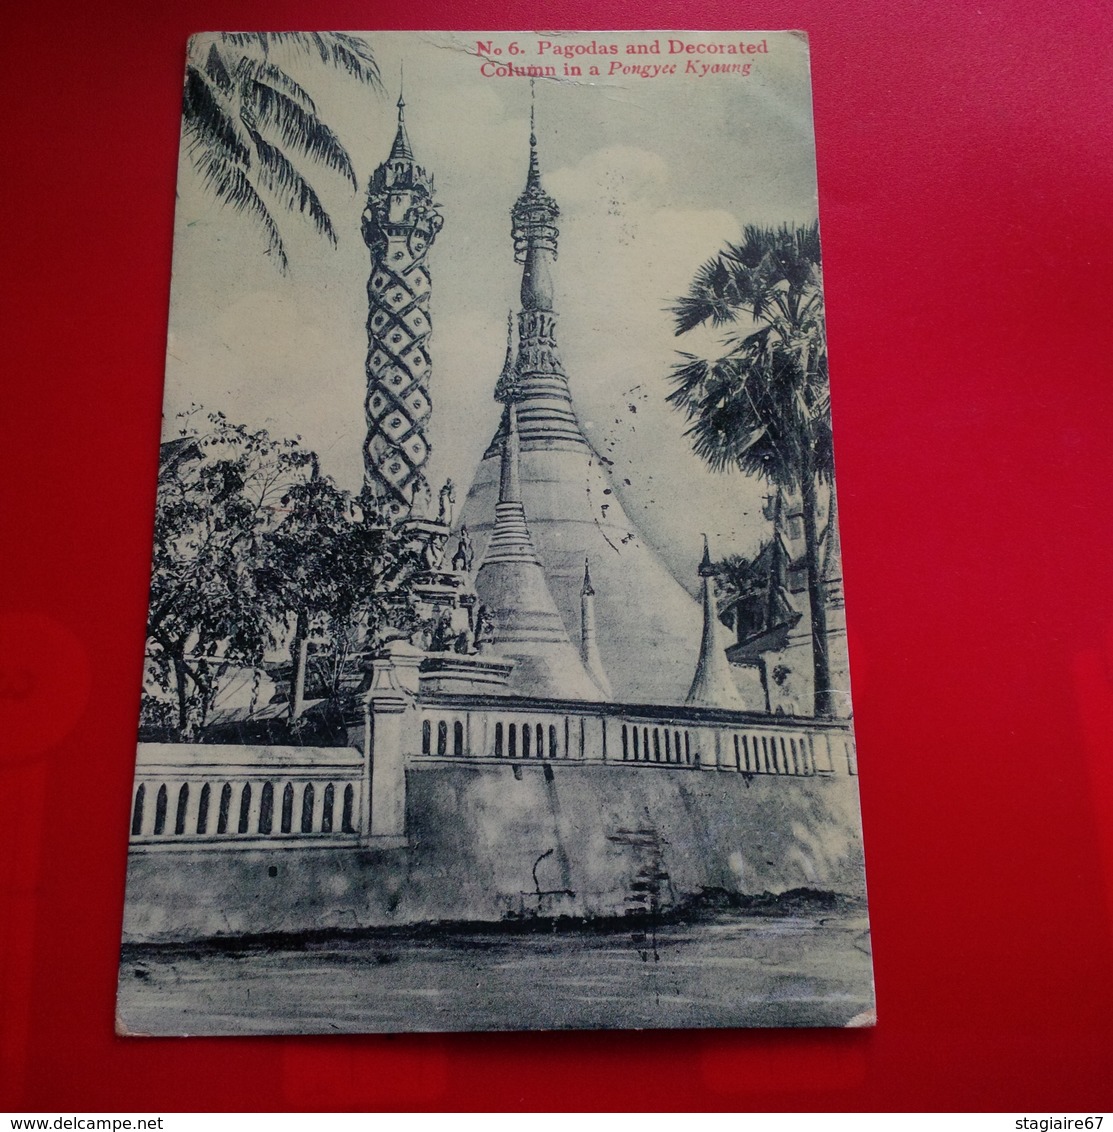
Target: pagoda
(645, 627)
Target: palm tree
(245, 122)
(764, 407)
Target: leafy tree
(246, 123)
(219, 492)
(764, 406)
(249, 537)
(332, 567)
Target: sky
(652, 175)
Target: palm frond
(260, 39)
(217, 69)
(754, 340)
(299, 128)
(231, 184)
(266, 72)
(246, 121)
(711, 298)
(206, 120)
(748, 452)
(750, 409)
(349, 53)
(689, 377)
(276, 173)
(341, 50)
(750, 252)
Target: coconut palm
(246, 123)
(764, 406)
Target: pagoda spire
(401, 150)
(510, 540)
(506, 387)
(533, 178)
(535, 233)
(547, 417)
(510, 478)
(713, 684)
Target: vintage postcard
(496, 670)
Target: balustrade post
(390, 702)
(821, 753)
(318, 805)
(707, 743)
(802, 752)
(851, 755)
(255, 807)
(193, 810)
(147, 819)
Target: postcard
(496, 671)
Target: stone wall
(490, 841)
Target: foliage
(342, 575)
(764, 406)
(246, 123)
(735, 580)
(219, 492)
(249, 537)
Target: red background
(966, 197)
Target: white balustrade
(197, 795)
(189, 795)
(682, 739)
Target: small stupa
(511, 587)
(713, 684)
(589, 637)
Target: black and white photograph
(496, 671)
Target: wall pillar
(820, 747)
(851, 755)
(387, 707)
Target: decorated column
(400, 223)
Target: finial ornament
(534, 178)
(401, 150)
(506, 388)
(534, 228)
